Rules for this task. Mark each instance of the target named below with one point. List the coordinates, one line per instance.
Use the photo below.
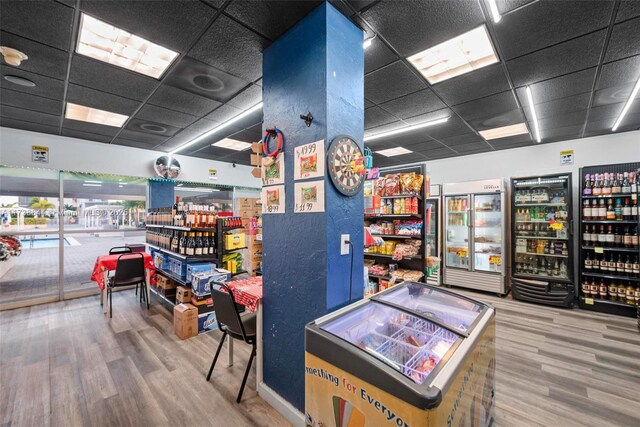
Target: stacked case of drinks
(610, 255)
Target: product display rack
(540, 271)
(601, 299)
(416, 262)
(220, 245)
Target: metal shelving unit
(589, 302)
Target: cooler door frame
(446, 223)
(503, 230)
(437, 199)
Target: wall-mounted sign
(566, 157)
(309, 160)
(309, 196)
(273, 199)
(274, 173)
(39, 154)
(213, 174)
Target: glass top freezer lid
(458, 313)
(409, 344)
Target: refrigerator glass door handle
(472, 239)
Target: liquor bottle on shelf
(634, 208)
(586, 287)
(606, 186)
(612, 264)
(182, 244)
(602, 210)
(626, 185)
(634, 177)
(198, 247)
(587, 186)
(620, 265)
(588, 263)
(610, 238)
(622, 292)
(617, 208)
(612, 290)
(205, 244)
(626, 210)
(212, 245)
(634, 238)
(586, 210)
(602, 289)
(628, 266)
(617, 237)
(174, 242)
(630, 292)
(616, 185)
(610, 213)
(594, 288)
(191, 245)
(636, 268)
(597, 186)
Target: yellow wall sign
(566, 157)
(213, 174)
(39, 154)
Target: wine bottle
(597, 185)
(616, 185)
(606, 186)
(587, 186)
(618, 210)
(626, 186)
(198, 246)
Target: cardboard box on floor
(185, 321)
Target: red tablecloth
(247, 292)
(109, 262)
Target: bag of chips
(392, 184)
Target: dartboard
(341, 154)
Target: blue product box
(201, 267)
(207, 322)
(201, 282)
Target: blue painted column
(317, 66)
(161, 193)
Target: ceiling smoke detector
(12, 56)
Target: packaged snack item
(380, 187)
(405, 182)
(392, 184)
(415, 185)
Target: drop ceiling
(580, 58)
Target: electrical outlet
(344, 246)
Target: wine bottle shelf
(609, 196)
(541, 237)
(609, 221)
(605, 249)
(611, 276)
(177, 255)
(537, 254)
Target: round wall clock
(345, 164)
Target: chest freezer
(414, 355)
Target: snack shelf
(395, 236)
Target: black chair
(120, 250)
(129, 271)
(230, 323)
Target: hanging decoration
(368, 158)
(270, 156)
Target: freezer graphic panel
(487, 237)
(410, 345)
(457, 239)
(456, 312)
(468, 401)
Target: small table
(248, 292)
(106, 263)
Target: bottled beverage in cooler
(628, 266)
(586, 210)
(587, 186)
(612, 291)
(586, 287)
(606, 186)
(626, 186)
(622, 292)
(602, 289)
(597, 186)
(610, 212)
(602, 210)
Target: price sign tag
(598, 250)
(273, 199)
(556, 225)
(309, 197)
(309, 160)
(588, 301)
(494, 259)
(461, 253)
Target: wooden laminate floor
(65, 364)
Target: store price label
(462, 253)
(493, 259)
(588, 301)
(598, 250)
(556, 225)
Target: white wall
(88, 156)
(538, 160)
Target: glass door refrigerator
(609, 248)
(433, 236)
(542, 243)
(475, 235)
(414, 355)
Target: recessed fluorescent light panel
(494, 11)
(232, 144)
(107, 43)
(237, 118)
(504, 131)
(532, 107)
(463, 54)
(390, 152)
(405, 129)
(93, 115)
(633, 95)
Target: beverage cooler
(609, 248)
(475, 249)
(414, 355)
(542, 242)
(433, 235)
